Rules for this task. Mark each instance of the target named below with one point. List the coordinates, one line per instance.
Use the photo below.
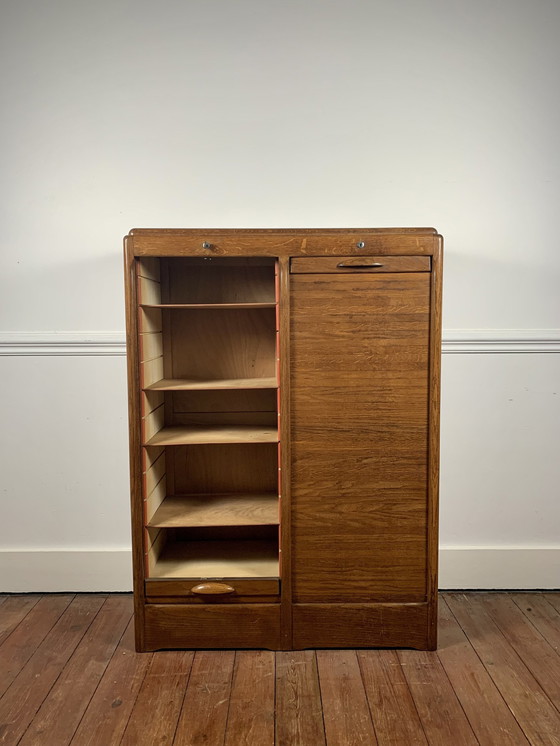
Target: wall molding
(469, 341)
(455, 341)
(39, 344)
(99, 570)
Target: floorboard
(69, 674)
(27, 692)
(554, 600)
(251, 705)
(204, 715)
(108, 711)
(346, 711)
(155, 714)
(299, 711)
(14, 610)
(527, 641)
(441, 714)
(533, 710)
(67, 701)
(393, 711)
(20, 645)
(489, 716)
(542, 615)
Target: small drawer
(359, 264)
(224, 590)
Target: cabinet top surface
(281, 242)
(305, 231)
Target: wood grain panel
(360, 625)
(251, 467)
(202, 434)
(216, 626)
(375, 264)
(149, 320)
(218, 343)
(359, 375)
(151, 371)
(155, 499)
(231, 280)
(150, 401)
(230, 509)
(152, 424)
(281, 242)
(149, 292)
(154, 474)
(284, 448)
(151, 346)
(184, 384)
(138, 460)
(436, 289)
(150, 457)
(212, 559)
(244, 587)
(227, 400)
(149, 267)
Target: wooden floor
(69, 675)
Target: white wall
(251, 114)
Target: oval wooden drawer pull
(212, 589)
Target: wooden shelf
(208, 305)
(201, 434)
(228, 509)
(186, 384)
(217, 559)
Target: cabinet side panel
(284, 474)
(360, 384)
(434, 452)
(133, 367)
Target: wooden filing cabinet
(284, 418)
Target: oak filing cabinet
(284, 426)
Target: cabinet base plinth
(386, 625)
(213, 626)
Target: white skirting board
(57, 570)
(44, 571)
(499, 567)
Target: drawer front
(359, 264)
(226, 590)
(218, 626)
